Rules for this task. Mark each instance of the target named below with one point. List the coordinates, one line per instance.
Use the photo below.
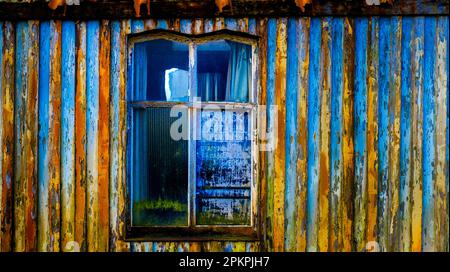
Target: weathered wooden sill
(141, 234)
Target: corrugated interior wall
(362, 151)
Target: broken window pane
(223, 170)
(160, 170)
(161, 71)
(224, 71)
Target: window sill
(148, 234)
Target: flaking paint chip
(137, 6)
(54, 4)
(302, 3)
(222, 3)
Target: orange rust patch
(302, 3)
(137, 6)
(103, 155)
(80, 135)
(54, 4)
(222, 3)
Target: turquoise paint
(20, 94)
(92, 111)
(314, 94)
(208, 25)
(383, 131)
(137, 26)
(68, 115)
(360, 127)
(114, 126)
(186, 26)
(252, 26)
(292, 73)
(336, 131)
(130, 156)
(23, 38)
(405, 129)
(429, 129)
(228, 247)
(426, 69)
(162, 24)
(394, 95)
(231, 24)
(46, 34)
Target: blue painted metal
(115, 124)
(208, 25)
(252, 26)
(394, 129)
(383, 130)
(137, 26)
(162, 24)
(231, 24)
(92, 96)
(68, 118)
(43, 159)
(20, 127)
(21, 84)
(129, 151)
(429, 129)
(186, 26)
(92, 128)
(411, 29)
(336, 131)
(292, 73)
(313, 135)
(360, 127)
(405, 130)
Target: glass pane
(161, 70)
(223, 170)
(159, 170)
(224, 71)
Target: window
(192, 163)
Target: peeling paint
(370, 189)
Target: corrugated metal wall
(362, 152)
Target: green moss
(155, 218)
(160, 205)
(207, 218)
(161, 212)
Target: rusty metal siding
(363, 133)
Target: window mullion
(192, 130)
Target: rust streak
(7, 144)
(54, 139)
(302, 138)
(80, 137)
(103, 149)
(346, 212)
(280, 152)
(324, 177)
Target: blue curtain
(239, 73)
(211, 85)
